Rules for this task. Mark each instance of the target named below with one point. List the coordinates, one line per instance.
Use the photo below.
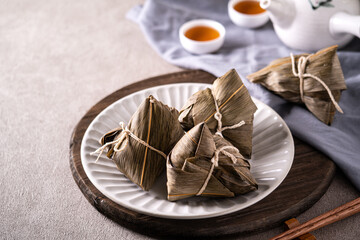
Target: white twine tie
(124, 136)
(218, 117)
(215, 158)
(215, 163)
(301, 75)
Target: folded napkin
(249, 50)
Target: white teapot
(310, 25)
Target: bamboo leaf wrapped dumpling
(198, 165)
(139, 150)
(234, 103)
(296, 79)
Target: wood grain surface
(327, 218)
(306, 182)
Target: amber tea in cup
(247, 13)
(201, 36)
(249, 7)
(202, 33)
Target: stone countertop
(57, 59)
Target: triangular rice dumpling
(189, 165)
(157, 125)
(279, 78)
(235, 105)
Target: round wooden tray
(306, 182)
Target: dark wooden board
(306, 182)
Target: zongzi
(227, 108)
(203, 164)
(140, 149)
(315, 80)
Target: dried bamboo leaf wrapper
(235, 105)
(109, 137)
(186, 182)
(157, 125)
(236, 177)
(189, 165)
(279, 78)
(198, 141)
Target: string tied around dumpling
(215, 163)
(219, 130)
(124, 138)
(218, 117)
(301, 74)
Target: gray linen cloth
(249, 50)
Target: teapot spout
(281, 12)
(342, 22)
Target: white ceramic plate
(273, 153)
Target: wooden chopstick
(327, 218)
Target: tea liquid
(202, 33)
(249, 7)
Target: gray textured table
(57, 59)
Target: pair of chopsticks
(327, 218)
